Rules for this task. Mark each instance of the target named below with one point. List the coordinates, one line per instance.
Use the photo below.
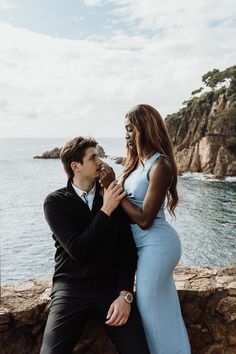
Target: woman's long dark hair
(150, 135)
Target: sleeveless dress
(159, 251)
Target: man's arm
(119, 310)
(128, 254)
(80, 241)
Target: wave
(207, 177)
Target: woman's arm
(160, 177)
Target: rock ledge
(207, 296)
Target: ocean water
(205, 217)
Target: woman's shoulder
(165, 161)
(162, 165)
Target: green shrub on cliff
(220, 82)
(216, 77)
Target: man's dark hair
(74, 150)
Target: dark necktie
(85, 197)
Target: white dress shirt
(87, 197)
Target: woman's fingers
(107, 175)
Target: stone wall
(207, 296)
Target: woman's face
(130, 134)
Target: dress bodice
(136, 184)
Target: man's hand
(112, 197)
(118, 312)
(107, 175)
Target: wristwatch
(128, 296)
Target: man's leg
(128, 338)
(65, 323)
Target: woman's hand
(107, 175)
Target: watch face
(129, 297)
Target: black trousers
(69, 313)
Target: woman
(150, 175)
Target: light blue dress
(159, 251)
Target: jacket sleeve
(128, 255)
(78, 243)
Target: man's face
(91, 167)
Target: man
(95, 257)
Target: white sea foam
(207, 177)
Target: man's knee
(59, 339)
(59, 347)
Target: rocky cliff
(204, 133)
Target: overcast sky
(75, 67)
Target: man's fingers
(114, 186)
(120, 313)
(117, 320)
(122, 195)
(113, 318)
(110, 311)
(111, 186)
(117, 189)
(122, 321)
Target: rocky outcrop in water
(55, 153)
(119, 160)
(50, 154)
(204, 132)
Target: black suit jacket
(93, 250)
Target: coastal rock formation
(204, 132)
(50, 154)
(55, 153)
(207, 297)
(119, 160)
